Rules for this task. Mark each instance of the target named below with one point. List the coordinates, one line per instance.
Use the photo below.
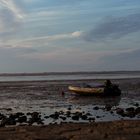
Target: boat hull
(94, 91)
(86, 91)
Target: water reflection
(90, 100)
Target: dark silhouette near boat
(107, 89)
(111, 89)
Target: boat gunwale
(86, 90)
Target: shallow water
(69, 76)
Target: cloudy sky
(69, 35)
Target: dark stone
(108, 107)
(9, 109)
(91, 119)
(35, 117)
(13, 116)
(136, 104)
(7, 121)
(137, 110)
(78, 113)
(2, 116)
(55, 115)
(69, 108)
(68, 113)
(130, 114)
(96, 108)
(3, 122)
(111, 112)
(29, 113)
(40, 122)
(22, 119)
(88, 114)
(61, 112)
(75, 117)
(62, 117)
(120, 111)
(130, 109)
(46, 117)
(84, 117)
(18, 114)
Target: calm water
(71, 76)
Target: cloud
(127, 60)
(13, 6)
(114, 28)
(11, 16)
(77, 34)
(46, 39)
(65, 56)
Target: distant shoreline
(68, 73)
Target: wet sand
(117, 130)
(42, 90)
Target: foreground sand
(117, 130)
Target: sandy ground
(117, 130)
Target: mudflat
(23, 103)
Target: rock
(61, 112)
(7, 121)
(111, 112)
(22, 119)
(68, 113)
(55, 115)
(130, 109)
(69, 108)
(9, 109)
(35, 118)
(136, 104)
(120, 111)
(3, 122)
(18, 114)
(75, 117)
(137, 110)
(46, 117)
(96, 108)
(13, 116)
(78, 113)
(91, 119)
(84, 117)
(130, 112)
(29, 113)
(63, 118)
(88, 114)
(108, 107)
(35, 115)
(40, 122)
(2, 116)
(98, 116)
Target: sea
(42, 92)
(68, 75)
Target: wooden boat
(95, 91)
(86, 90)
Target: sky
(69, 35)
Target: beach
(117, 130)
(37, 109)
